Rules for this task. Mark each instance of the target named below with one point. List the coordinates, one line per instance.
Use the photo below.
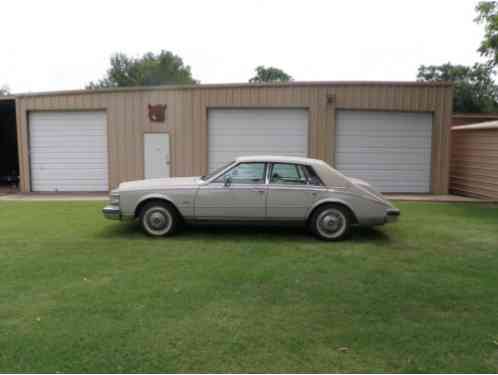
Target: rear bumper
(112, 212)
(392, 215)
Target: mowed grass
(82, 294)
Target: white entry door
(156, 155)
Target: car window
(313, 178)
(245, 173)
(290, 174)
(216, 171)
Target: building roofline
(472, 115)
(237, 85)
(480, 126)
(7, 97)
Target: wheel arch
(155, 197)
(341, 203)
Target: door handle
(261, 191)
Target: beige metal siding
(474, 163)
(186, 118)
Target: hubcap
(331, 223)
(157, 220)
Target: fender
(329, 200)
(160, 196)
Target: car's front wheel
(331, 222)
(158, 219)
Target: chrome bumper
(392, 215)
(112, 212)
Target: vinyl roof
(278, 159)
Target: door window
(245, 173)
(290, 174)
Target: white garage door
(391, 150)
(68, 151)
(241, 132)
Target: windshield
(216, 171)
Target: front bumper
(392, 215)
(112, 212)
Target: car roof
(278, 159)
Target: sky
(62, 45)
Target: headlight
(115, 200)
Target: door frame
(170, 153)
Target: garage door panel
(361, 140)
(379, 158)
(254, 139)
(383, 129)
(391, 150)
(258, 132)
(240, 132)
(68, 151)
(71, 187)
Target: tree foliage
(148, 70)
(270, 74)
(475, 90)
(487, 14)
(4, 90)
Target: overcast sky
(61, 45)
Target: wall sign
(157, 112)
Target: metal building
(392, 134)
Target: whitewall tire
(158, 219)
(331, 222)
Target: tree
(148, 70)
(270, 74)
(475, 90)
(487, 14)
(4, 90)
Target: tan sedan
(255, 189)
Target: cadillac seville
(255, 189)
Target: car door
(290, 194)
(238, 194)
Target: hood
(365, 187)
(160, 183)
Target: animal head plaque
(157, 112)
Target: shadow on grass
(240, 232)
(367, 234)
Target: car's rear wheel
(331, 222)
(159, 219)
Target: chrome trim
(112, 212)
(233, 165)
(230, 166)
(297, 187)
(114, 199)
(221, 186)
(269, 167)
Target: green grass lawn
(82, 294)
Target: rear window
(313, 177)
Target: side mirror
(227, 180)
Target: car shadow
(370, 234)
(242, 232)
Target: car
(255, 189)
